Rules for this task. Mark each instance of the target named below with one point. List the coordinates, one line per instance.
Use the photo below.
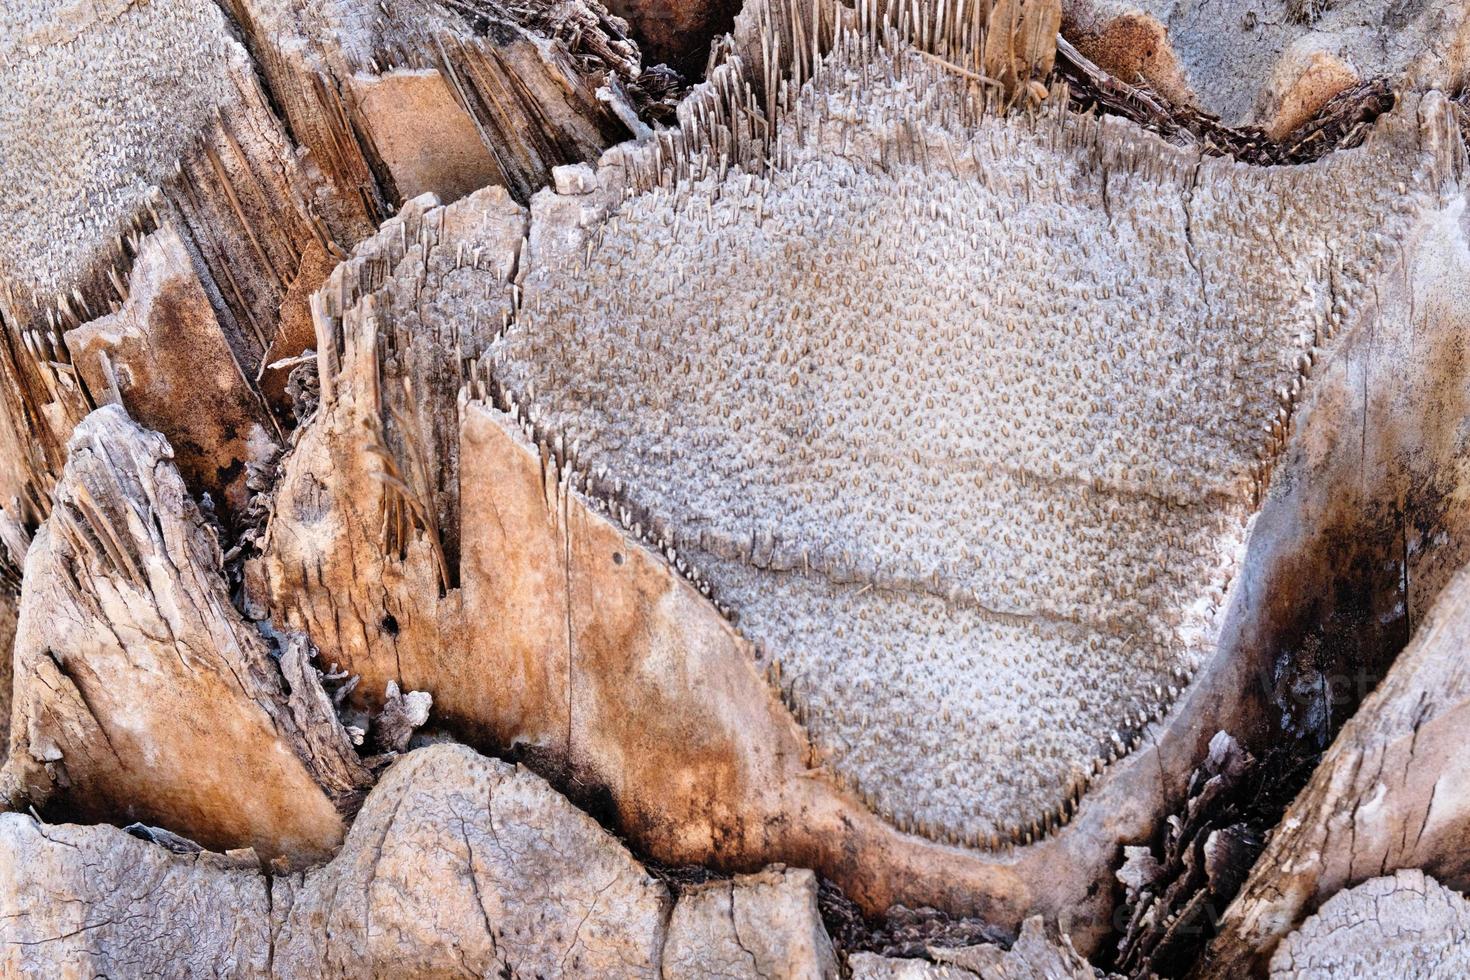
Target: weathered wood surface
(905, 487)
(1403, 925)
(570, 584)
(1389, 794)
(140, 692)
(1271, 65)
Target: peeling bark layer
(7, 642)
(175, 129)
(164, 356)
(161, 120)
(139, 691)
(400, 98)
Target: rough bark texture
(616, 477)
(7, 643)
(763, 925)
(404, 97)
(1034, 956)
(1404, 925)
(460, 863)
(456, 865)
(140, 693)
(165, 358)
(179, 131)
(1271, 64)
(890, 466)
(94, 901)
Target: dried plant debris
(1267, 64)
(1037, 954)
(766, 376)
(1341, 122)
(900, 932)
(1173, 900)
(402, 714)
(679, 32)
(1403, 925)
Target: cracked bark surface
(556, 540)
(759, 925)
(1402, 925)
(139, 691)
(460, 864)
(457, 865)
(882, 472)
(1271, 64)
(94, 901)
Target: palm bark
(924, 456)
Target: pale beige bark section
(759, 925)
(365, 534)
(140, 693)
(461, 863)
(1390, 793)
(427, 141)
(1301, 85)
(457, 864)
(1021, 43)
(81, 902)
(1405, 925)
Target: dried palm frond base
(874, 470)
